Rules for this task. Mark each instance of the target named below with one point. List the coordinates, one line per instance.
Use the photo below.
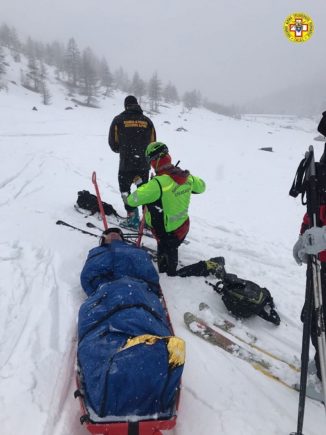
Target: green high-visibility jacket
(167, 201)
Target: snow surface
(246, 215)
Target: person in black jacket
(129, 135)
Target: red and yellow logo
(298, 27)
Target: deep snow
(245, 215)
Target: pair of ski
(270, 365)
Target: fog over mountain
(233, 52)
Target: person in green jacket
(167, 198)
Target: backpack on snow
(87, 201)
(244, 298)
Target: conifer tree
(89, 76)
(106, 77)
(3, 67)
(170, 94)
(191, 99)
(33, 79)
(72, 62)
(138, 87)
(44, 89)
(121, 80)
(5, 35)
(154, 92)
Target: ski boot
(215, 266)
(132, 220)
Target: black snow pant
(126, 178)
(167, 254)
(167, 259)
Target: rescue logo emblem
(298, 27)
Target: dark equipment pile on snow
(88, 201)
(245, 298)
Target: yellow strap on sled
(175, 345)
(177, 351)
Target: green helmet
(155, 150)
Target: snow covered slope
(245, 215)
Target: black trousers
(167, 254)
(167, 259)
(125, 179)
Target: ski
(200, 328)
(228, 327)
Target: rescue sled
(142, 427)
(130, 425)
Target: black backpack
(87, 201)
(244, 298)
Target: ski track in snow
(32, 326)
(15, 176)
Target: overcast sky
(231, 50)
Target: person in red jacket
(313, 241)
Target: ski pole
(76, 228)
(99, 201)
(307, 310)
(141, 228)
(307, 168)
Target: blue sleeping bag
(129, 361)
